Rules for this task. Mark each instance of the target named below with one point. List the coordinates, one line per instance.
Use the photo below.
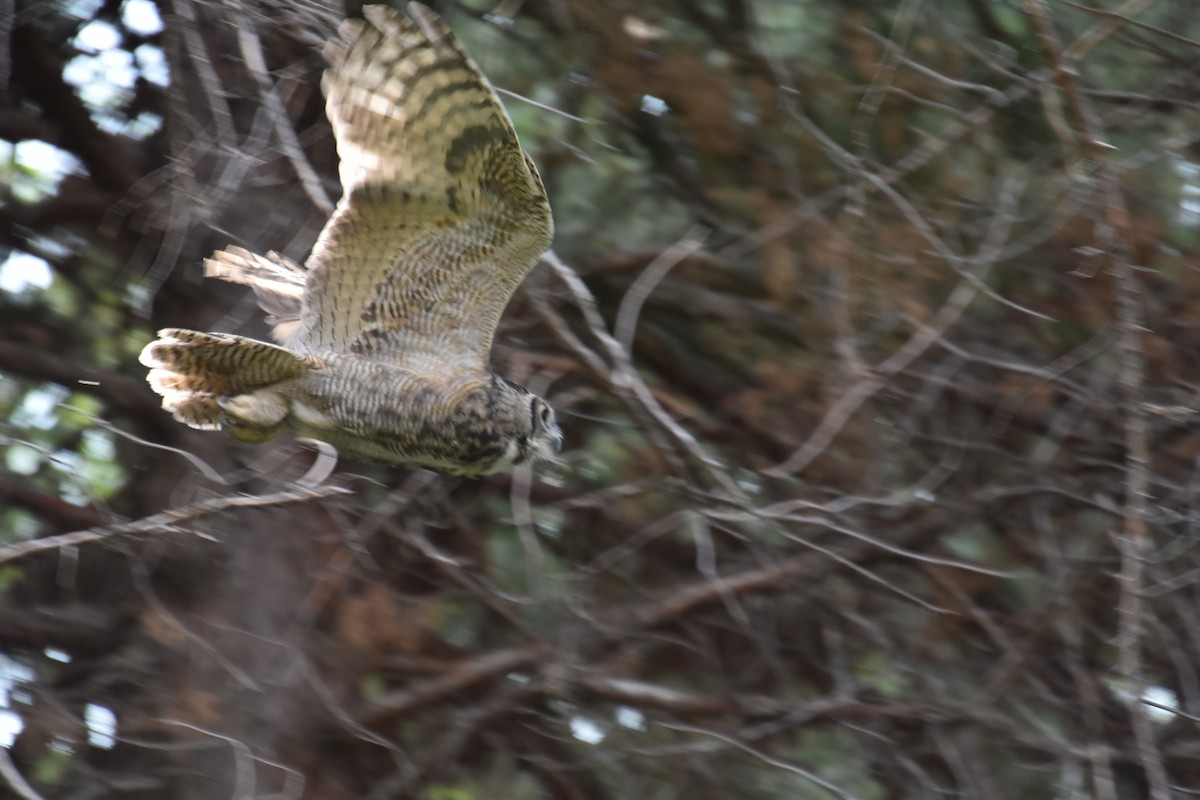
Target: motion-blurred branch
(1114, 237)
(167, 521)
(866, 386)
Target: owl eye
(539, 415)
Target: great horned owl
(386, 331)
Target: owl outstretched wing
(442, 214)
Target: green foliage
(32, 170)
(52, 767)
(443, 792)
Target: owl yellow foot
(255, 417)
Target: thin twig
(1114, 235)
(15, 780)
(624, 377)
(926, 335)
(251, 49)
(167, 520)
(650, 277)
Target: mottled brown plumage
(386, 331)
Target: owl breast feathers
(385, 333)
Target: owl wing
(442, 214)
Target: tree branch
(166, 521)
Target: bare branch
(167, 521)
(15, 780)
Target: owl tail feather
(191, 370)
(277, 281)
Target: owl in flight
(385, 334)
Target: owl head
(545, 438)
(533, 433)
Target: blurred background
(873, 328)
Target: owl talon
(255, 417)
